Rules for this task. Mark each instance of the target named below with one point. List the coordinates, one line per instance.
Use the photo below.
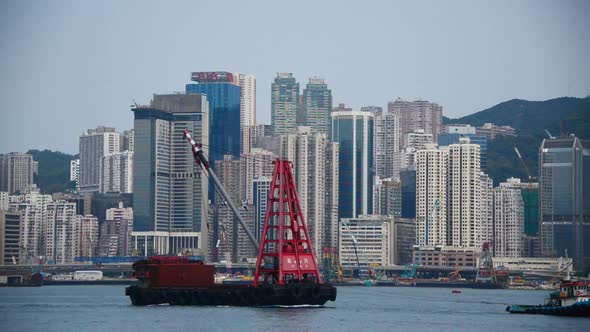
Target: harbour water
(106, 308)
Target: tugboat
(572, 299)
(286, 271)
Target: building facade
(116, 173)
(10, 229)
(353, 131)
(419, 114)
(317, 105)
(247, 84)
(170, 197)
(16, 172)
(284, 104)
(223, 95)
(508, 221)
(366, 240)
(95, 144)
(564, 199)
(464, 194)
(431, 196)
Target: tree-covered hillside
(531, 119)
(54, 171)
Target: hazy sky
(68, 66)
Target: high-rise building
(4, 200)
(255, 164)
(464, 194)
(95, 144)
(86, 235)
(564, 199)
(16, 172)
(116, 173)
(247, 84)
(308, 152)
(170, 191)
(223, 95)
(10, 228)
(284, 104)
(431, 196)
(408, 184)
(353, 130)
(115, 233)
(415, 141)
(453, 133)
(33, 206)
(368, 238)
(317, 105)
(508, 221)
(60, 232)
(419, 114)
(486, 209)
(386, 137)
(332, 194)
(260, 193)
(404, 238)
(127, 141)
(75, 171)
(388, 198)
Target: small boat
(572, 299)
(456, 291)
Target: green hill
(530, 119)
(54, 171)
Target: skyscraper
(452, 134)
(508, 221)
(388, 198)
(170, 192)
(431, 196)
(16, 172)
(116, 173)
(419, 114)
(464, 194)
(10, 228)
(247, 84)
(564, 199)
(386, 140)
(60, 232)
(260, 192)
(86, 235)
(33, 206)
(353, 130)
(284, 104)
(223, 95)
(308, 152)
(95, 144)
(317, 105)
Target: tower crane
(524, 165)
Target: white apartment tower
(247, 84)
(431, 196)
(116, 173)
(386, 143)
(464, 194)
(308, 153)
(60, 232)
(16, 172)
(257, 163)
(508, 221)
(95, 144)
(33, 206)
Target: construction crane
(524, 165)
(204, 164)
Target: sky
(67, 66)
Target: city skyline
(63, 66)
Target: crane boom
(524, 165)
(202, 161)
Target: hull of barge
(234, 295)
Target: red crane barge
(286, 271)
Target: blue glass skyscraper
(224, 111)
(353, 130)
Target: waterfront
(100, 308)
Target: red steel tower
(285, 254)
